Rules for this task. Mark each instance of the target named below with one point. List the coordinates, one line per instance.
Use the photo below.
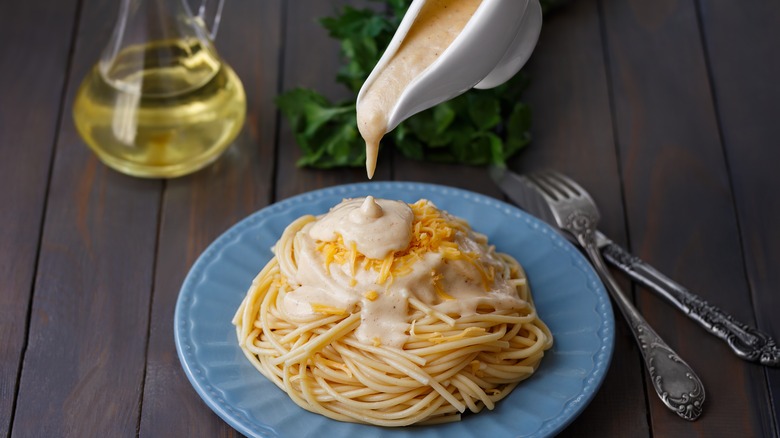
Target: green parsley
(478, 127)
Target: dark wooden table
(667, 111)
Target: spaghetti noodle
(433, 323)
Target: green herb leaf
(484, 110)
(478, 127)
(326, 133)
(518, 128)
(363, 34)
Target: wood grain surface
(30, 100)
(197, 208)
(744, 73)
(83, 369)
(665, 111)
(679, 203)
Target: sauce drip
(376, 227)
(434, 29)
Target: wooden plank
(198, 208)
(572, 133)
(679, 205)
(745, 72)
(83, 368)
(311, 60)
(31, 88)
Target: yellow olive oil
(162, 109)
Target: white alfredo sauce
(434, 29)
(378, 228)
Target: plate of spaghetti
(393, 309)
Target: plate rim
(572, 408)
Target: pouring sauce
(436, 26)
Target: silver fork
(574, 211)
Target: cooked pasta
(436, 323)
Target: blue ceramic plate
(567, 292)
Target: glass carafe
(160, 102)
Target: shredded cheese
(328, 310)
(371, 295)
(432, 231)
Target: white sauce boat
(496, 42)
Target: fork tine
(564, 185)
(569, 183)
(550, 182)
(576, 188)
(547, 190)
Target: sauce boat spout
(495, 43)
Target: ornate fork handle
(747, 342)
(674, 381)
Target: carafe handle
(211, 8)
